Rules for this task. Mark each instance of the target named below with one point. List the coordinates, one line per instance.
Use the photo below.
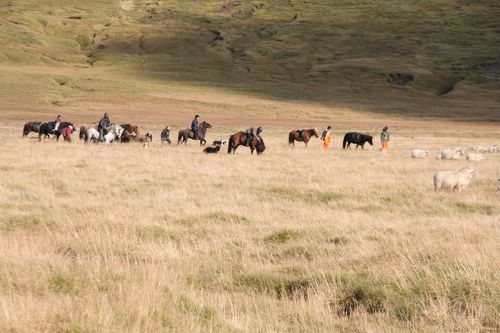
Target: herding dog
(212, 150)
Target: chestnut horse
(301, 135)
(240, 139)
(131, 129)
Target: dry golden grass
(96, 238)
(122, 239)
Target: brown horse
(83, 131)
(33, 126)
(240, 139)
(301, 135)
(125, 136)
(148, 137)
(187, 133)
(131, 129)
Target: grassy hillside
(415, 58)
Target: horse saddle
(301, 134)
(248, 136)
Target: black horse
(33, 126)
(46, 129)
(358, 139)
(187, 133)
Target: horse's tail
(179, 137)
(83, 133)
(290, 138)
(260, 146)
(344, 143)
(230, 144)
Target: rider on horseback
(251, 135)
(195, 125)
(57, 122)
(104, 123)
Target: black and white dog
(218, 143)
(212, 150)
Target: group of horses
(256, 144)
(44, 129)
(305, 136)
(128, 132)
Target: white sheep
(453, 179)
(475, 157)
(449, 154)
(419, 153)
(493, 149)
(478, 149)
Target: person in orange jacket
(385, 138)
(327, 138)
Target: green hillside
(429, 58)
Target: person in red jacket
(66, 133)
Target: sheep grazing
(475, 157)
(478, 149)
(419, 153)
(493, 149)
(453, 179)
(449, 154)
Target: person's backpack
(323, 135)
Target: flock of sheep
(457, 180)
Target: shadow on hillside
(353, 62)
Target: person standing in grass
(326, 137)
(384, 139)
(66, 133)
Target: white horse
(114, 133)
